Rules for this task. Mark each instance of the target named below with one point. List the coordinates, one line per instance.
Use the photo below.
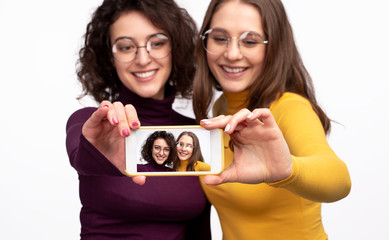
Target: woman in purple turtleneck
(138, 55)
(159, 152)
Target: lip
(145, 76)
(233, 71)
(183, 155)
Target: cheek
(212, 62)
(121, 70)
(258, 63)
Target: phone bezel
(216, 150)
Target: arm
(83, 156)
(294, 155)
(96, 138)
(318, 173)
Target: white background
(344, 45)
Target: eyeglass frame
(185, 146)
(147, 46)
(164, 150)
(203, 37)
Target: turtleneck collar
(183, 165)
(236, 101)
(150, 111)
(157, 167)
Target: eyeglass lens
(158, 148)
(125, 49)
(216, 41)
(182, 145)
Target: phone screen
(147, 155)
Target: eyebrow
(134, 40)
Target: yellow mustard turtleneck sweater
(199, 166)
(288, 209)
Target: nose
(233, 51)
(142, 56)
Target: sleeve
(202, 166)
(318, 173)
(200, 227)
(83, 156)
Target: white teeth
(145, 74)
(233, 70)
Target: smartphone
(210, 144)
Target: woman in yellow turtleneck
(189, 156)
(279, 166)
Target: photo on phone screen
(174, 150)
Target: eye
(218, 37)
(125, 46)
(247, 42)
(158, 148)
(158, 41)
(250, 39)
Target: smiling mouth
(145, 74)
(233, 70)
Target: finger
(132, 116)
(264, 115)
(99, 115)
(212, 180)
(140, 180)
(235, 120)
(216, 122)
(123, 125)
(227, 175)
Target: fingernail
(106, 106)
(126, 132)
(250, 115)
(205, 121)
(227, 128)
(115, 119)
(135, 124)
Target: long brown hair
(196, 154)
(95, 69)
(283, 69)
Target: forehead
(236, 17)
(186, 138)
(133, 24)
(161, 142)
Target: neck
(236, 101)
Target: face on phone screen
(174, 150)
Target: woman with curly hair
(137, 56)
(158, 151)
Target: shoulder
(202, 166)
(290, 98)
(290, 103)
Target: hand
(261, 154)
(107, 128)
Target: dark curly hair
(147, 148)
(95, 69)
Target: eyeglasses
(158, 148)
(216, 41)
(182, 145)
(157, 46)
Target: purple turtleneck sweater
(113, 207)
